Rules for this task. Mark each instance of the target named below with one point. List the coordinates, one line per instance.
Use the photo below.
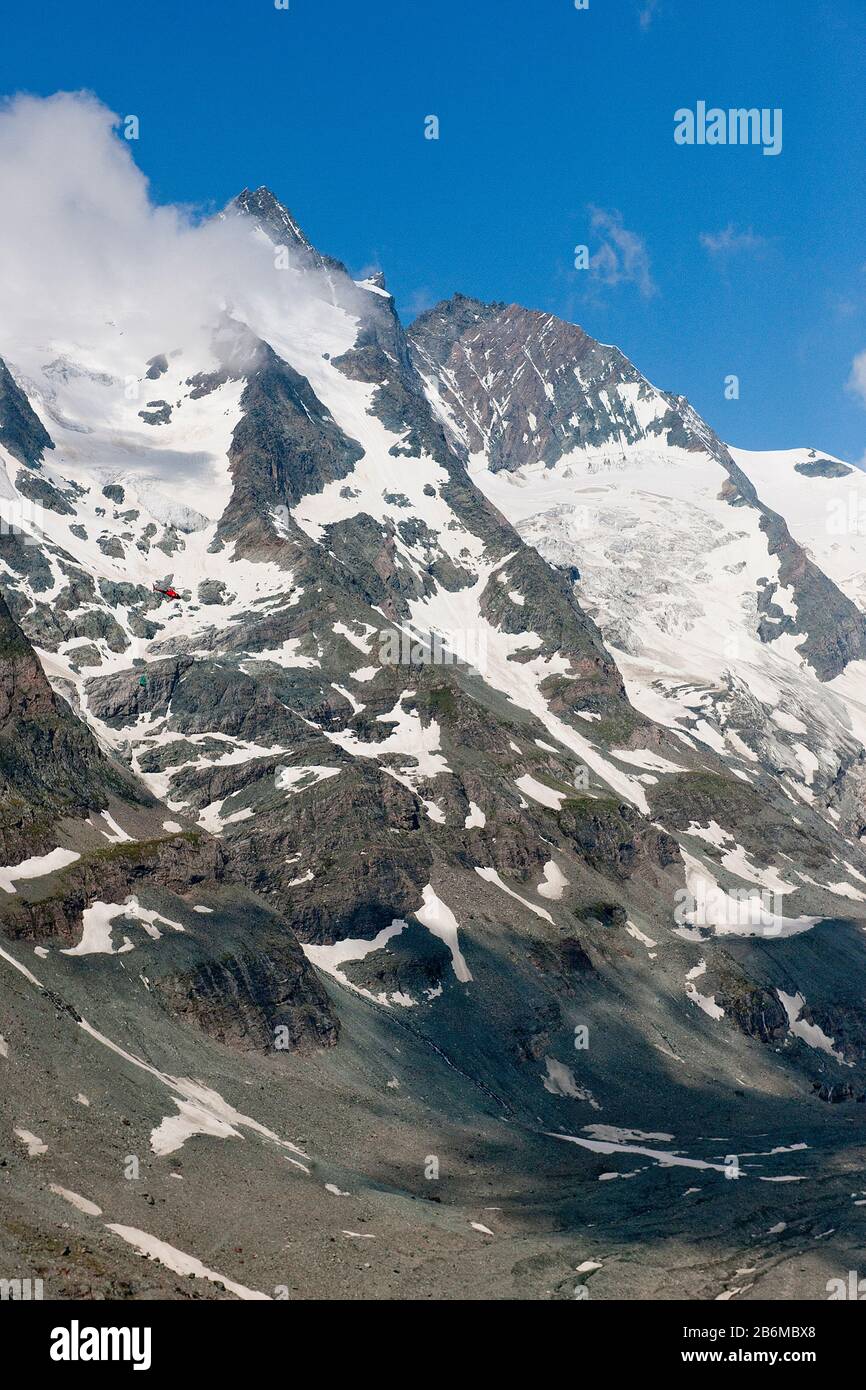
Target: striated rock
(262, 998)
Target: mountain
(478, 827)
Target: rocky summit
(432, 795)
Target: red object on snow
(167, 593)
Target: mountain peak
(282, 228)
(274, 218)
(461, 309)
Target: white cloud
(857, 379)
(419, 302)
(647, 13)
(856, 384)
(93, 267)
(730, 241)
(622, 257)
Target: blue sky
(736, 263)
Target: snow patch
(554, 883)
(33, 1144)
(37, 867)
(179, 1262)
(540, 792)
(438, 918)
(492, 876)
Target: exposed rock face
(21, 430)
(278, 223)
(251, 989)
(847, 796)
(50, 766)
(526, 387)
(823, 468)
(550, 608)
(755, 1010)
(156, 367)
(614, 838)
(414, 965)
(286, 445)
(178, 864)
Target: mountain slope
(74, 874)
(715, 612)
(579, 889)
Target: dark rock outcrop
(614, 838)
(50, 765)
(21, 430)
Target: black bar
(217, 1338)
